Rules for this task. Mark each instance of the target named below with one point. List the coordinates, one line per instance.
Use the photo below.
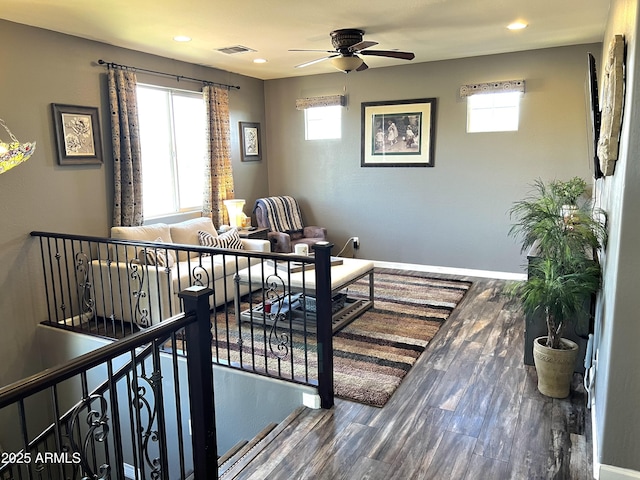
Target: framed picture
(77, 131)
(398, 133)
(250, 149)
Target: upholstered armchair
(281, 215)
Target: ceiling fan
(348, 44)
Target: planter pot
(536, 326)
(554, 367)
(569, 214)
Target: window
(323, 122)
(173, 149)
(493, 112)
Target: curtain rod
(177, 77)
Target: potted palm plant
(569, 192)
(566, 272)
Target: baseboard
(467, 272)
(607, 472)
(594, 439)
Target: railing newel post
(200, 375)
(324, 327)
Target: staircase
(232, 464)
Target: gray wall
(39, 68)
(617, 380)
(454, 214)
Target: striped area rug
(373, 353)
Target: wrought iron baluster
(97, 422)
(148, 433)
(115, 413)
(161, 427)
(134, 419)
(25, 435)
(278, 341)
(57, 430)
(177, 402)
(85, 284)
(58, 257)
(56, 301)
(46, 284)
(137, 275)
(65, 258)
(150, 409)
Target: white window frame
(493, 112)
(177, 208)
(323, 123)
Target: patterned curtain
(125, 137)
(218, 172)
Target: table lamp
(234, 209)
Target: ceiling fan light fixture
(346, 63)
(517, 25)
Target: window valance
(326, 101)
(492, 87)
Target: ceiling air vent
(235, 49)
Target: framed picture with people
(398, 133)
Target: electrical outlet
(356, 243)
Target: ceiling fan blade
(362, 67)
(389, 53)
(361, 46)
(318, 60)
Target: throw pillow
(228, 239)
(161, 257)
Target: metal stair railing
(137, 415)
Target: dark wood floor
(469, 409)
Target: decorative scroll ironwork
(85, 300)
(278, 340)
(147, 432)
(198, 273)
(98, 431)
(137, 277)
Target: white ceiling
(433, 29)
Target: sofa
(140, 283)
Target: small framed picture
(77, 131)
(250, 148)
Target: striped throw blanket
(283, 213)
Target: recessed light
(517, 26)
(182, 38)
(259, 60)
